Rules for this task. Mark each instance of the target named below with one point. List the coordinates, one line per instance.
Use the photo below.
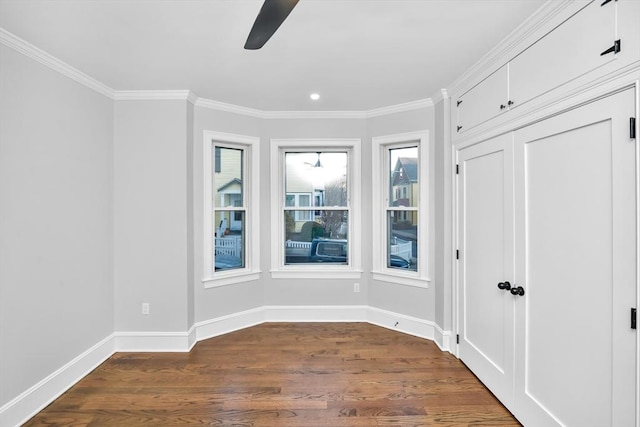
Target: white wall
(151, 215)
(56, 284)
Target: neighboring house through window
(315, 200)
(231, 169)
(400, 202)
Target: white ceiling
(358, 54)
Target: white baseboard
(153, 341)
(316, 313)
(225, 324)
(33, 400)
(443, 339)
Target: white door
(575, 218)
(485, 227)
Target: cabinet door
(569, 51)
(576, 257)
(486, 259)
(483, 101)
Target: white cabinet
(569, 51)
(484, 101)
(572, 50)
(551, 209)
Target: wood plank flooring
(285, 375)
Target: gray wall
(56, 284)
(443, 226)
(407, 300)
(102, 210)
(151, 215)
(312, 291)
(212, 303)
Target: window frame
(353, 270)
(381, 147)
(250, 146)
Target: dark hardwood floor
(284, 374)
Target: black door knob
(504, 285)
(518, 291)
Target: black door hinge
(458, 102)
(457, 254)
(632, 127)
(457, 338)
(633, 318)
(613, 49)
(457, 169)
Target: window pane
(321, 175)
(290, 200)
(228, 177)
(229, 240)
(323, 240)
(402, 242)
(403, 177)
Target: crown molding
(155, 95)
(265, 114)
(400, 108)
(230, 108)
(524, 35)
(315, 114)
(439, 96)
(16, 43)
(19, 45)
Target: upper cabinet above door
(590, 41)
(572, 49)
(484, 101)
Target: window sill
(230, 278)
(315, 273)
(401, 278)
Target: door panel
(576, 258)
(486, 248)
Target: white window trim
(380, 180)
(307, 271)
(251, 187)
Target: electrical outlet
(356, 287)
(145, 308)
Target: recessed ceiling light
(314, 96)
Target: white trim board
(33, 400)
(36, 398)
(27, 49)
(19, 45)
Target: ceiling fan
(271, 16)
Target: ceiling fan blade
(271, 16)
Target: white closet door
(576, 260)
(486, 258)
